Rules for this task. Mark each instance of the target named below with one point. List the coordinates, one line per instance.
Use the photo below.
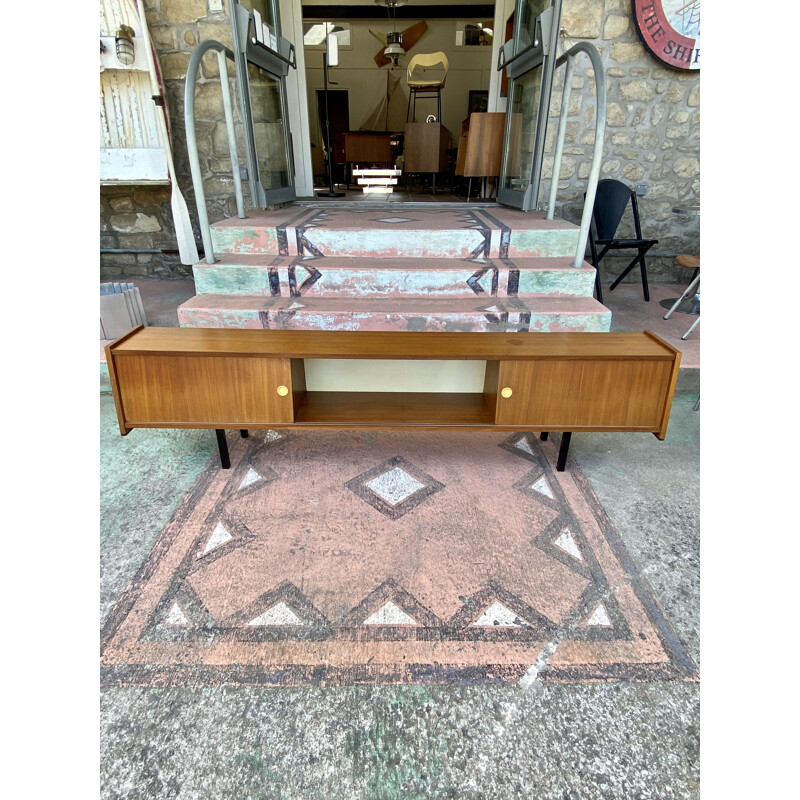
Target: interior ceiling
(411, 9)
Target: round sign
(670, 30)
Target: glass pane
(314, 33)
(269, 130)
(264, 7)
(524, 110)
(529, 10)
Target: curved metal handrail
(191, 137)
(599, 135)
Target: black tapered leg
(563, 450)
(543, 436)
(222, 443)
(244, 433)
(645, 288)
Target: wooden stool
(690, 262)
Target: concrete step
(338, 276)
(532, 313)
(452, 232)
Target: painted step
(461, 232)
(534, 313)
(337, 276)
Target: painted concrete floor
(549, 741)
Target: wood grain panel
(114, 380)
(484, 145)
(490, 386)
(203, 391)
(570, 395)
(298, 368)
(364, 148)
(393, 409)
(676, 365)
(400, 344)
(425, 147)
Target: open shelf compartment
(393, 408)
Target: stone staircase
(391, 266)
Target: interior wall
(365, 82)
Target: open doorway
(369, 104)
(338, 109)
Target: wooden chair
(693, 263)
(417, 85)
(610, 202)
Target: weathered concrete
(484, 313)
(350, 267)
(350, 230)
(370, 277)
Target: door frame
(276, 65)
(519, 58)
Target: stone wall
(652, 133)
(140, 218)
(652, 137)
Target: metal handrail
(599, 135)
(191, 137)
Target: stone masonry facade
(652, 134)
(652, 137)
(140, 218)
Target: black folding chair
(610, 203)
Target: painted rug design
(383, 557)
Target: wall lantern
(124, 41)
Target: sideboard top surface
(396, 345)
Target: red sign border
(641, 29)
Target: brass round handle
(283, 391)
(506, 392)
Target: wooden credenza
(238, 378)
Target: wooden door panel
(204, 390)
(574, 394)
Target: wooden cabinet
(425, 147)
(223, 378)
(582, 394)
(362, 148)
(171, 382)
(480, 148)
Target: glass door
(263, 59)
(529, 60)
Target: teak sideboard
(247, 379)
